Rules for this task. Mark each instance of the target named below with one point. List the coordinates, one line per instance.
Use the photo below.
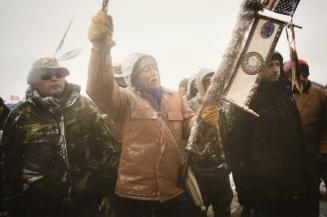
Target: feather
(71, 54)
(61, 43)
(296, 74)
(105, 5)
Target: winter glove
(101, 29)
(210, 114)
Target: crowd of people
(121, 152)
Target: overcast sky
(183, 35)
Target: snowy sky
(183, 35)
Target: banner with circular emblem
(257, 51)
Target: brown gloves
(210, 115)
(101, 29)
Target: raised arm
(101, 86)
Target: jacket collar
(54, 104)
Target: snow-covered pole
(247, 13)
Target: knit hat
(303, 67)
(135, 63)
(277, 56)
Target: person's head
(207, 81)
(2, 105)
(119, 76)
(182, 86)
(47, 77)
(303, 69)
(203, 80)
(143, 71)
(272, 71)
(192, 89)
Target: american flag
(286, 7)
(14, 98)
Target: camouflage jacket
(62, 143)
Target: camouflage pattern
(37, 132)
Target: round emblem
(267, 29)
(252, 63)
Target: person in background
(312, 106)
(4, 112)
(120, 78)
(209, 162)
(182, 86)
(191, 88)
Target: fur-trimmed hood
(203, 72)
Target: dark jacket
(56, 150)
(267, 153)
(3, 116)
(208, 157)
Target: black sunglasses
(47, 74)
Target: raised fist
(101, 29)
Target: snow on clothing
(196, 101)
(57, 150)
(208, 162)
(149, 167)
(268, 158)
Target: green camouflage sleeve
(11, 163)
(107, 150)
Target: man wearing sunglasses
(59, 156)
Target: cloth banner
(257, 51)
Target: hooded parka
(208, 161)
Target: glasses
(47, 74)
